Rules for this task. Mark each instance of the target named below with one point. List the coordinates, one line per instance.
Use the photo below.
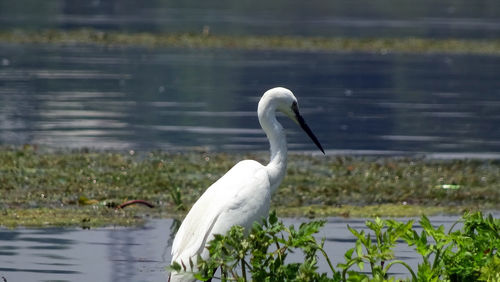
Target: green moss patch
(249, 42)
(42, 187)
(384, 210)
(85, 217)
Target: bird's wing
(194, 228)
(233, 199)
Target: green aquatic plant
(379, 254)
(468, 254)
(262, 254)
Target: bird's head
(284, 101)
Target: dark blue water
(173, 99)
(352, 18)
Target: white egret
(243, 194)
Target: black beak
(305, 127)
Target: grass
(82, 188)
(293, 43)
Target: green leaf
(361, 265)
(359, 249)
(348, 254)
(273, 218)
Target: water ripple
(207, 130)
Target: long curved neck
(276, 167)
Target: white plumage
(243, 195)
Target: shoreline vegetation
(41, 187)
(206, 40)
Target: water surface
(173, 99)
(139, 254)
(354, 18)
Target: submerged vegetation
(84, 188)
(249, 42)
(467, 254)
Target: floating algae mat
(84, 188)
(250, 42)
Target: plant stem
(327, 259)
(243, 270)
(348, 265)
(438, 253)
(453, 226)
(414, 277)
(248, 265)
(235, 275)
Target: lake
(355, 18)
(141, 253)
(129, 98)
(180, 99)
(143, 99)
